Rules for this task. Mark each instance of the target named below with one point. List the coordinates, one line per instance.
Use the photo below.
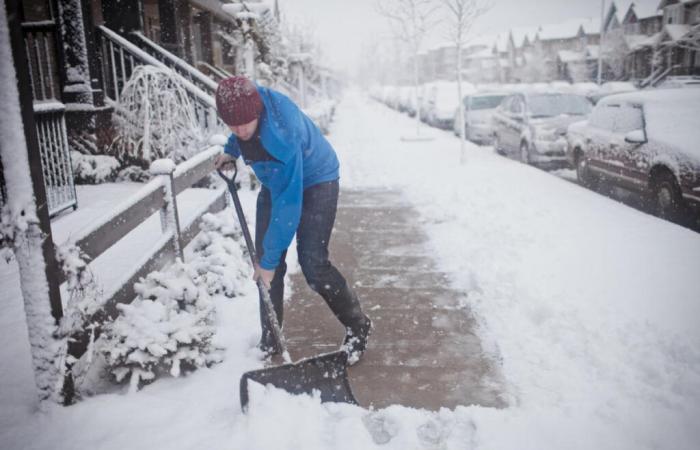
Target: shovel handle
(264, 293)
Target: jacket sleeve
(286, 192)
(231, 147)
(286, 186)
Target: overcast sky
(344, 26)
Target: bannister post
(169, 217)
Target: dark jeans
(313, 236)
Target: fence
(160, 194)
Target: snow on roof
(592, 51)
(247, 9)
(520, 33)
(570, 56)
(501, 42)
(676, 32)
(483, 53)
(637, 41)
(563, 30)
(642, 8)
(670, 116)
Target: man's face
(244, 131)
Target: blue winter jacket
(304, 158)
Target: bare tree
(410, 21)
(461, 17)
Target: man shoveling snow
(299, 171)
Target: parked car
(611, 88)
(647, 141)
(407, 100)
(532, 126)
(478, 113)
(441, 102)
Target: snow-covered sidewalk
(590, 306)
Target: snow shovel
(326, 373)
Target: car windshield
(551, 105)
(485, 102)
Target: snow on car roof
(671, 116)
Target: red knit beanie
(238, 101)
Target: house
(679, 47)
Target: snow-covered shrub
(168, 327)
(219, 257)
(155, 118)
(93, 169)
(134, 173)
(85, 294)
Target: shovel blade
(325, 373)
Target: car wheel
(667, 199)
(497, 144)
(583, 174)
(525, 153)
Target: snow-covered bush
(219, 256)
(93, 169)
(155, 118)
(168, 327)
(134, 173)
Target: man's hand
(224, 161)
(263, 275)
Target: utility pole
(600, 44)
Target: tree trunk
(462, 147)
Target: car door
(499, 122)
(599, 135)
(633, 160)
(511, 130)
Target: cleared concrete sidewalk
(423, 351)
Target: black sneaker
(355, 342)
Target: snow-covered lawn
(591, 307)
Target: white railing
(182, 67)
(120, 57)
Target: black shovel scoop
(326, 373)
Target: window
(603, 117)
(485, 102)
(551, 105)
(516, 106)
(628, 118)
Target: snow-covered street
(590, 307)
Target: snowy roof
(670, 116)
(637, 41)
(501, 42)
(483, 53)
(563, 30)
(592, 51)
(520, 33)
(570, 56)
(641, 8)
(247, 9)
(675, 32)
